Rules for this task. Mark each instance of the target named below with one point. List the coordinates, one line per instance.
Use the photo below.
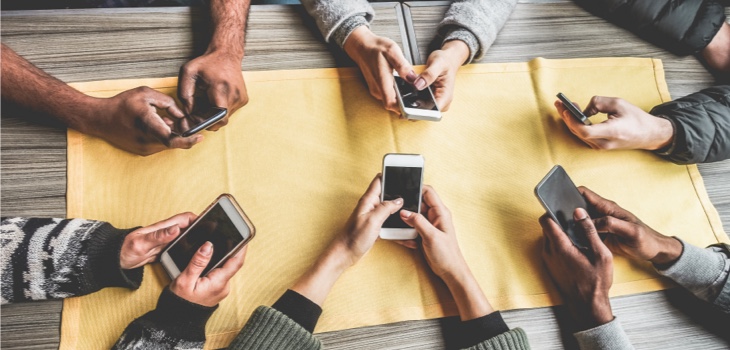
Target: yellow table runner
(304, 149)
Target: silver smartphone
(416, 104)
(402, 178)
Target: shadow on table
(700, 312)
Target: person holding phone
(133, 120)
(297, 311)
(585, 282)
(468, 29)
(61, 258)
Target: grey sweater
(475, 22)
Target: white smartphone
(415, 104)
(402, 178)
(223, 223)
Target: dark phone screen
(402, 182)
(215, 227)
(561, 198)
(412, 98)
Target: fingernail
(420, 84)
(406, 213)
(580, 214)
(206, 249)
(398, 201)
(411, 77)
(171, 230)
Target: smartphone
(223, 223)
(575, 112)
(559, 196)
(199, 121)
(402, 178)
(415, 104)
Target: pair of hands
(377, 57)
(627, 127)
(143, 246)
(586, 281)
(132, 120)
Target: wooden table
(86, 45)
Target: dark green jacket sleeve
(515, 339)
(270, 329)
(701, 126)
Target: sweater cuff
(609, 336)
(179, 318)
(480, 329)
(515, 339)
(340, 35)
(299, 309)
(105, 247)
(270, 329)
(463, 34)
(696, 269)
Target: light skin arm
(216, 76)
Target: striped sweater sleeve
(60, 258)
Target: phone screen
(413, 98)
(560, 197)
(215, 227)
(402, 182)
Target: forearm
(55, 258)
(317, 282)
(468, 295)
(29, 87)
(229, 26)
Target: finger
(615, 227)
(230, 267)
(384, 209)
(186, 87)
(218, 96)
(162, 236)
(604, 206)
(371, 197)
(181, 220)
(434, 69)
(411, 244)
(398, 62)
(419, 222)
(555, 234)
(586, 225)
(444, 94)
(185, 142)
(199, 261)
(601, 104)
(387, 87)
(153, 124)
(437, 209)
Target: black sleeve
(478, 330)
(300, 309)
(682, 27)
(701, 126)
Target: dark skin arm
(216, 75)
(129, 120)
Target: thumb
(419, 222)
(199, 261)
(601, 104)
(185, 142)
(429, 75)
(162, 236)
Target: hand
(214, 287)
(363, 226)
(440, 72)
(377, 57)
(628, 235)
(627, 127)
(583, 281)
(130, 121)
(142, 246)
(219, 75)
(717, 52)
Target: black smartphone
(559, 196)
(416, 104)
(402, 178)
(199, 121)
(573, 110)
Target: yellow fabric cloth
(304, 149)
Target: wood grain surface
(86, 45)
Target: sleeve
(299, 309)
(701, 126)
(336, 19)
(476, 23)
(269, 328)
(60, 258)
(682, 27)
(609, 336)
(704, 272)
(490, 332)
(174, 324)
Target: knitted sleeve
(60, 258)
(336, 19)
(268, 328)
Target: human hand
(218, 75)
(440, 72)
(628, 235)
(583, 281)
(627, 127)
(142, 246)
(214, 287)
(377, 57)
(130, 121)
(363, 226)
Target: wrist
(457, 277)
(593, 312)
(87, 115)
(670, 251)
(458, 52)
(336, 259)
(228, 53)
(357, 39)
(663, 134)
